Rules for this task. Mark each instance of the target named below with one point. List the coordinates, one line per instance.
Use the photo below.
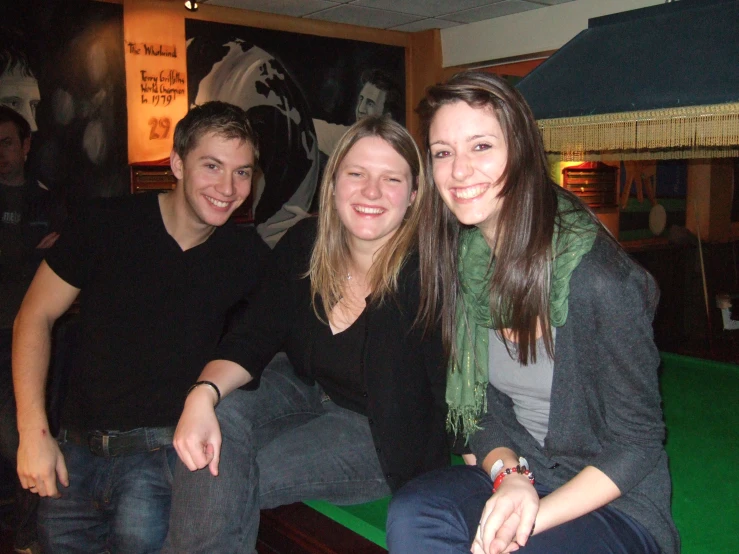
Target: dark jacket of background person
(21, 229)
(405, 373)
(605, 402)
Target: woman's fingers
(529, 512)
(495, 544)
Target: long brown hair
(331, 256)
(519, 286)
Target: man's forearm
(31, 354)
(47, 299)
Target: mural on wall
(73, 52)
(301, 92)
(61, 68)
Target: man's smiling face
(215, 178)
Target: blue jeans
(282, 443)
(439, 512)
(118, 505)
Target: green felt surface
(367, 519)
(701, 406)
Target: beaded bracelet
(509, 470)
(211, 385)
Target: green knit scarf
(467, 375)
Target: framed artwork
(301, 93)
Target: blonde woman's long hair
(330, 259)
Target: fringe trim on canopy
(671, 133)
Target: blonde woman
(355, 407)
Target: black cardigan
(405, 372)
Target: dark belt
(109, 444)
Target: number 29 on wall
(159, 128)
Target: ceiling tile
(367, 17)
(425, 25)
(294, 8)
(507, 7)
(401, 15)
(550, 2)
(428, 8)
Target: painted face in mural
(214, 179)
(372, 191)
(20, 92)
(469, 155)
(13, 152)
(371, 101)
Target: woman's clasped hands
(507, 521)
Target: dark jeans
(118, 504)
(282, 443)
(439, 512)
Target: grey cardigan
(605, 402)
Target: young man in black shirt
(156, 276)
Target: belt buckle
(99, 443)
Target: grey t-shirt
(529, 387)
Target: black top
(336, 363)
(151, 315)
(404, 372)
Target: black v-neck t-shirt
(151, 315)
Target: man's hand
(40, 462)
(197, 439)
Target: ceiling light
(191, 5)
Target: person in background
(354, 408)
(159, 275)
(30, 217)
(537, 304)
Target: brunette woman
(553, 369)
(355, 407)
